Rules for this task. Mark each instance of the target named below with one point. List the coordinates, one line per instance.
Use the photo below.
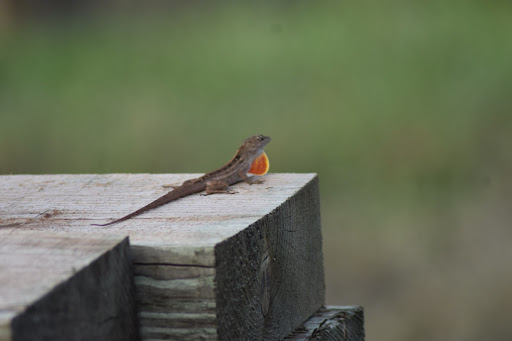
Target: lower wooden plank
(332, 323)
(65, 287)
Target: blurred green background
(404, 108)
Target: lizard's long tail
(175, 194)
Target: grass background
(403, 108)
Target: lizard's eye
(260, 137)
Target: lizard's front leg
(250, 180)
(217, 186)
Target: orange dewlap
(260, 165)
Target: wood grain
(206, 267)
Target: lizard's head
(254, 145)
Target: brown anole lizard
(249, 154)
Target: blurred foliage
(403, 108)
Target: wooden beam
(332, 323)
(56, 286)
(225, 267)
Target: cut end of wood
(270, 275)
(57, 286)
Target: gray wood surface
(332, 323)
(230, 267)
(56, 286)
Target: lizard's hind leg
(173, 186)
(217, 186)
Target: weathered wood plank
(332, 323)
(214, 267)
(56, 286)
